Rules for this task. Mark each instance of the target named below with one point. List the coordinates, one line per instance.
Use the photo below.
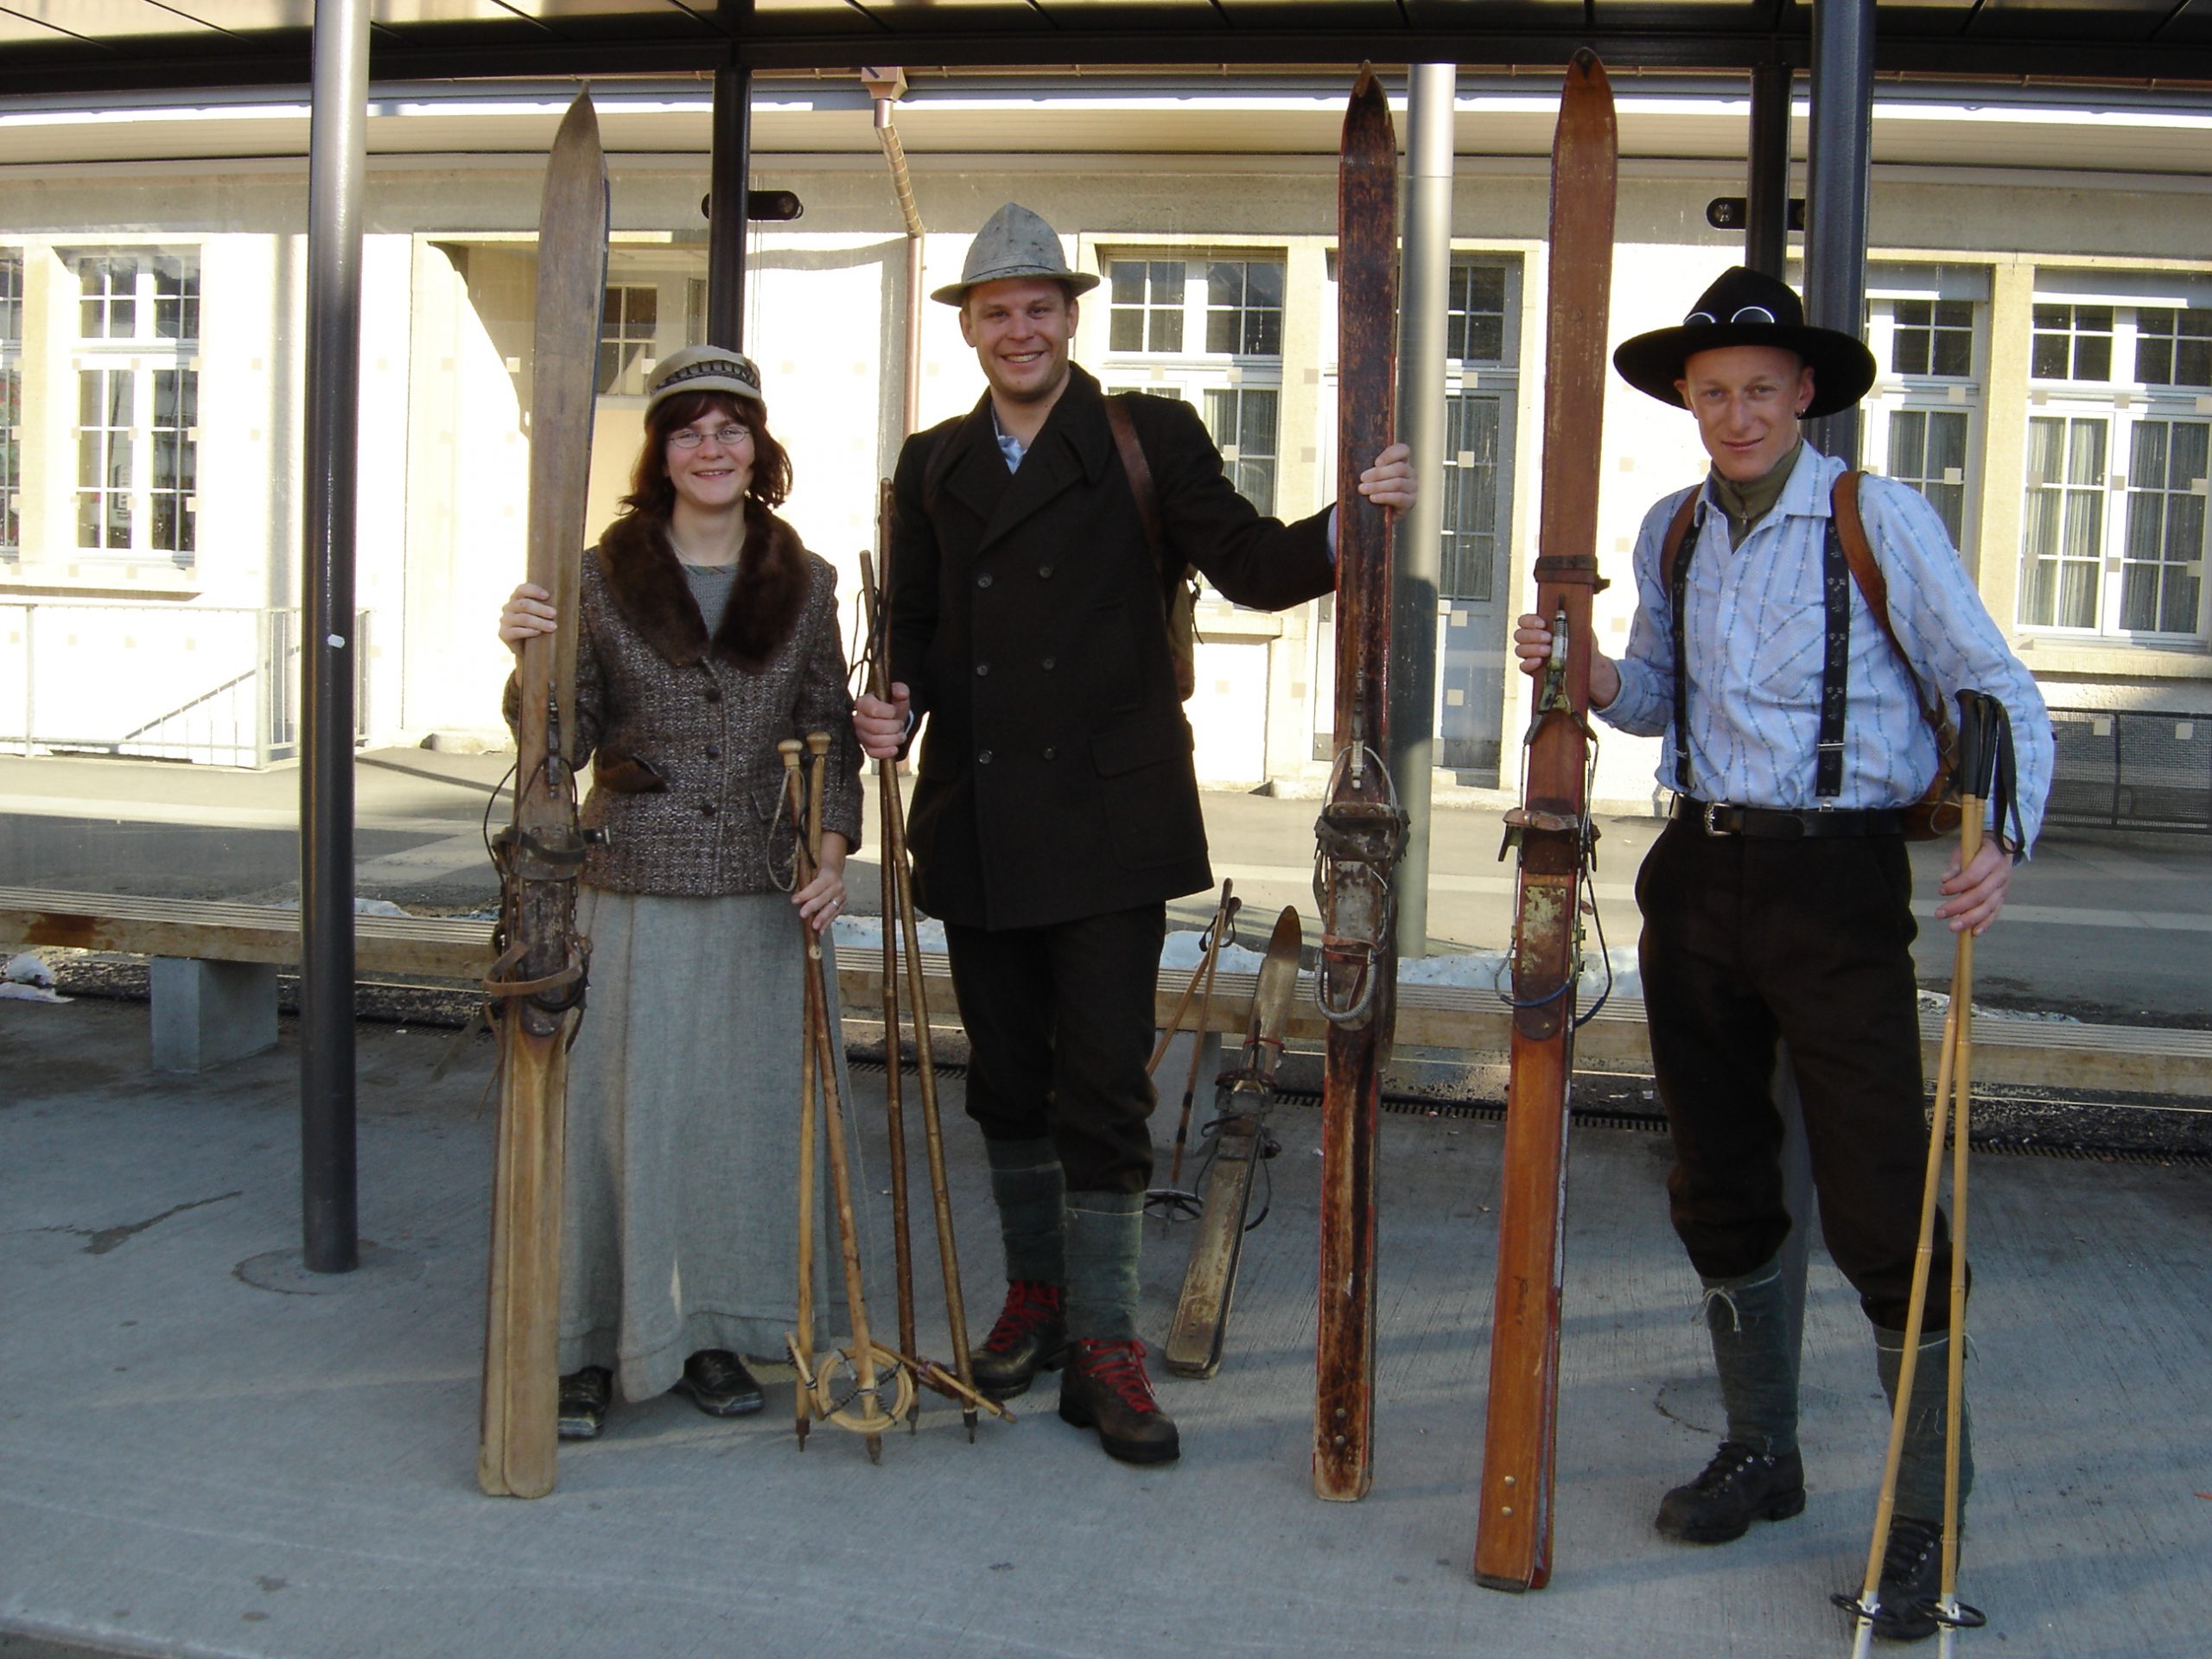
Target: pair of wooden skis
(1362, 829)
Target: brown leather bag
(1936, 813)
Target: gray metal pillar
(1424, 305)
(1766, 216)
(729, 187)
(337, 145)
(1838, 156)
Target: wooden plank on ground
(2052, 1054)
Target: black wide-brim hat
(1744, 308)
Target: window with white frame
(1208, 331)
(1924, 416)
(1481, 325)
(137, 402)
(2119, 451)
(627, 321)
(11, 402)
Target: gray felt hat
(702, 368)
(1013, 242)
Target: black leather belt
(1772, 823)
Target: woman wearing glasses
(707, 634)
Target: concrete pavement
(205, 1451)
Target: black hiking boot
(1738, 1486)
(584, 1396)
(716, 1382)
(1105, 1388)
(1912, 1578)
(1031, 1336)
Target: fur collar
(649, 589)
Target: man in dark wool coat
(1057, 810)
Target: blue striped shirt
(1753, 630)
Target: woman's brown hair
(652, 496)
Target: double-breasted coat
(1026, 620)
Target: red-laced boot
(1105, 1388)
(1030, 1337)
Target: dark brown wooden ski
(1239, 1132)
(1362, 828)
(1552, 827)
(537, 982)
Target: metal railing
(215, 684)
(2127, 769)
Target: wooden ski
(537, 982)
(1241, 1103)
(1362, 828)
(1552, 829)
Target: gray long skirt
(680, 1202)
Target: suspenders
(1845, 559)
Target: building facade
(2039, 303)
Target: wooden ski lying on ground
(1552, 829)
(1362, 828)
(536, 985)
(1239, 1131)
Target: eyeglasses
(1746, 314)
(691, 437)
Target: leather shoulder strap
(1851, 529)
(1678, 530)
(1138, 468)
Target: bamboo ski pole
(894, 1106)
(872, 1418)
(895, 861)
(1218, 935)
(802, 1340)
(1981, 724)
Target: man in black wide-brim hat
(1777, 905)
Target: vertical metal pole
(336, 146)
(1766, 218)
(1426, 291)
(31, 676)
(729, 183)
(1837, 159)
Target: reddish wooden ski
(1552, 826)
(1362, 828)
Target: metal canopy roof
(74, 46)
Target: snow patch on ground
(27, 968)
(1940, 1001)
(1482, 971)
(866, 933)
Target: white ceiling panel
(103, 17)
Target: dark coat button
(708, 808)
(1050, 663)
(983, 581)
(1045, 571)
(984, 758)
(983, 669)
(1051, 754)
(714, 694)
(714, 751)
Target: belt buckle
(1713, 826)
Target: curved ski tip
(1364, 82)
(1587, 65)
(583, 117)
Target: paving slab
(205, 1450)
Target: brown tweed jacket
(682, 729)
